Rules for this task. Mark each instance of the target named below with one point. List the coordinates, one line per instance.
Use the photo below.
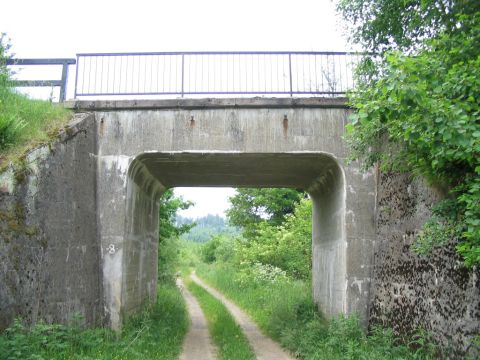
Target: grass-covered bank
(157, 333)
(24, 123)
(225, 332)
(285, 311)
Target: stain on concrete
(48, 250)
(435, 293)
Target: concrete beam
(207, 103)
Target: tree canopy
(417, 106)
(250, 207)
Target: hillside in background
(206, 227)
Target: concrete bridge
(145, 147)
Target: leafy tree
(287, 246)
(169, 246)
(250, 207)
(383, 25)
(418, 110)
(169, 205)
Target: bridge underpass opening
(150, 174)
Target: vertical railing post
(76, 78)
(183, 74)
(63, 86)
(290, 73)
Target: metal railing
(214, 73)
(201, 73)
(62, 83)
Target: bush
(420, 114)
(286, 247)
(168, 259)
(218, 248)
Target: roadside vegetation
(267, 272)
(417, 107)
(24, 123)
(156, 333)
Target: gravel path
(264, 347)
(197, 344)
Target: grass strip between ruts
(225, 332)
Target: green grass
(26, 124)
(157, 333)
(227, 335)
(285, 311)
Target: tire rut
(263, 347)
(197, 344)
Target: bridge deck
(208, 103)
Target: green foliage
(421, 113)
(169, 247)
(5, 73)
(225, 332)
(169, 205)
(285, 247)
(218, 248)
(382, 25)
(169, 252)
(276, 252)
(251, 207)
(157, 333)
(286, 312)
(24, 123)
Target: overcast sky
(63, 28)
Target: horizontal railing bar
(224, 53)
(62, 83)
(37, 83)
(57, 61)
(215, 93)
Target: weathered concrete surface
(436, 293)
(49, 253)
(79, 221)
(145, 147)
(92, 202)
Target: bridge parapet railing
(38, 63)
(214, 73)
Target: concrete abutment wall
(79, 220)
(49, 253)
(134, 151)
(145, 148)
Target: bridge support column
(128, 219)
(342, 244)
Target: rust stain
(285, 126)
(102, 126)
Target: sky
(63, 28)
